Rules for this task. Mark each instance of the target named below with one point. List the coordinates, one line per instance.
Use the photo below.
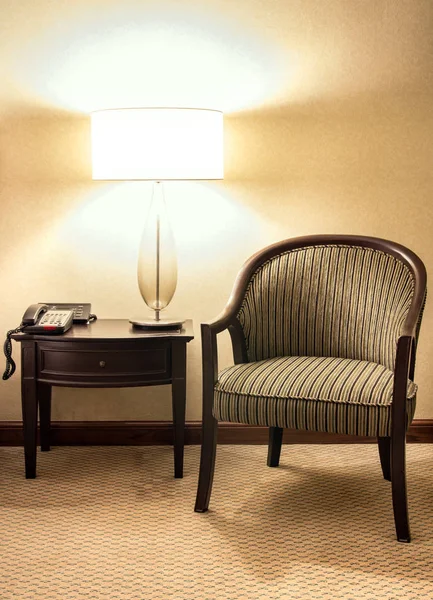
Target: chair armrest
(403, 361)
(227, 319)
(221, 322)
(403, 354)
(411, 325)
(209, 348)
(408, 329)
(209, 366)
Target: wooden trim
(157, 433)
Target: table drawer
(99, 365)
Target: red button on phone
(50, 327)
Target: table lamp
(157, 144)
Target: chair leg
(399, 492)
(207, 464)
(384, 444)
(274, 446)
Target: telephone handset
(33, 313)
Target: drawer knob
(102, 363)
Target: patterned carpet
(112, 523)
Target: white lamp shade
(157, 143)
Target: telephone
(54, 318)
(46, 318)
(40, 318)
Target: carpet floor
(112, 523)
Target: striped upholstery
(321, 325)
(337, 395)
(327, 301)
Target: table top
(111, 329)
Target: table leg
(29, 402)
(179, 402)
(44, 401)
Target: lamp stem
(158, 262)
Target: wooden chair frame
(392, 450)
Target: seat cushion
(329, 394)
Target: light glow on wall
(151, 55)
(109, 222)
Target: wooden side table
(105, 353)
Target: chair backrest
(335, 299)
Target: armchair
(324, 331)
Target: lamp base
(162, 324)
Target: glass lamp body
(157, 263)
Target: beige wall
(338, 161)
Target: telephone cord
(7, 348)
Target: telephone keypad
(53, 318)
(81, 312)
